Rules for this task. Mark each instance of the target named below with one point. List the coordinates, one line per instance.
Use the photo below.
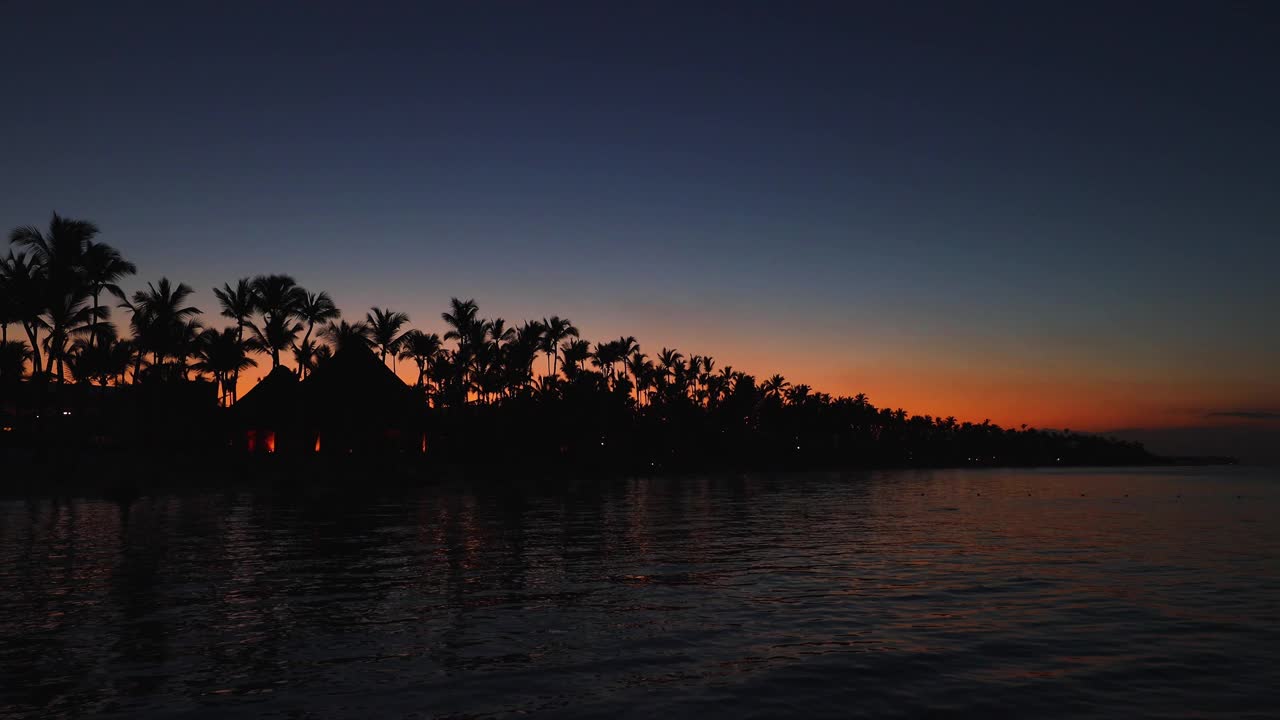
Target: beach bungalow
(267, 419)
(353, 403)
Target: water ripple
(1045, 594)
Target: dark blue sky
(932, 202)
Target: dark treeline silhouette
(490, 394)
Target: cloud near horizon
(1246, 414)
(1251, 443)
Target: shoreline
(125, 476)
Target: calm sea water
(999, 593)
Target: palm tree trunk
(48, 361)
(34, 336)
(302, 367)
(235, 378)
(93, 334)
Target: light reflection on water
(1069, 593)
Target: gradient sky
(1063, 214)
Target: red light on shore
(269, 442)
(317, 447)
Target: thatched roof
(274, 399)
(355, 386)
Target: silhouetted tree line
(492, 392)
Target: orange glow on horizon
(1082, 403)
(1001, 381)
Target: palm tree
(13, 356)
(649, 381)
(187, 346)
(468, 331)
(672, 364)
(638, 365)
(57, 255)
(60, 250)
(26, 291)
(344, 334)
(116, 358)
(306, 355)
(277, 299)
(775, 386)
(625, 346)
(523, 351)
(316, 309)
(603, 357)
(238, 304)
(8, 304)
(66, 313)
(498, 331)
(323, 353)
(710, 389)
(222, 354)
(102, 357)
(65, 239)
(103, 267)
(384, 330)
(798, 394)
(273, 334)
(461, 317)
(575, 351)
(446, 377)
(422, 348)
(557, 330)
(695, 372)
(162, 319)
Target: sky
(1059, 214)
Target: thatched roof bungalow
(352, 403)
(268, 419)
